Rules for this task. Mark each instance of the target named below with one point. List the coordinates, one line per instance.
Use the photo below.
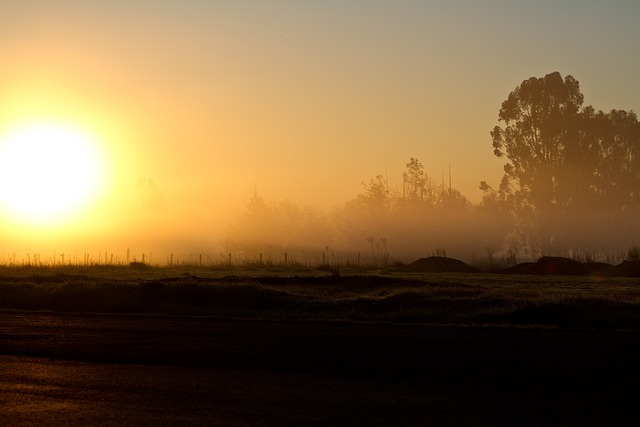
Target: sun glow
(49, 172)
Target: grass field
(282, 293)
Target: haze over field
(201, 111)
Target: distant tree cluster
(264, 231)
(419, 193)
(571, 171)
(382, 223)
(571, 186)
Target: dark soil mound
(438, 264)
(549, 265)
(628, 269)
(518, 268)
(567, 267)
(558, 265)
(600, 269)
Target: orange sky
(303, 100)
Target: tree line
(571, 186)
(381, 224)
(572, 174)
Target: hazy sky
(302, 99)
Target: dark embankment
(408, 297)
(569, 267)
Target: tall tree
(541, 117)
(619, 167)
(566, 165)
(417, 188)
(376, 196)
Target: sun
(48, 172)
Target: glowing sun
(48, 172)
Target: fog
(381, 226)
(239, 132)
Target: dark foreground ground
(58, 369)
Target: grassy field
(282, 293)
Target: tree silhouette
(414, 181)
(564, 161)
(541, 117)
(417, 189)
(376, 196)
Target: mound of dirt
(628, 269)
(568, 267)
(600, 269)
(549, 265)
(546, 265)
(521, 268)
(438, 264)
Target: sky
(301, 100)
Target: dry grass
(307, 294)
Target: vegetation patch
(390, 296)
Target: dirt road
(59, 369)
